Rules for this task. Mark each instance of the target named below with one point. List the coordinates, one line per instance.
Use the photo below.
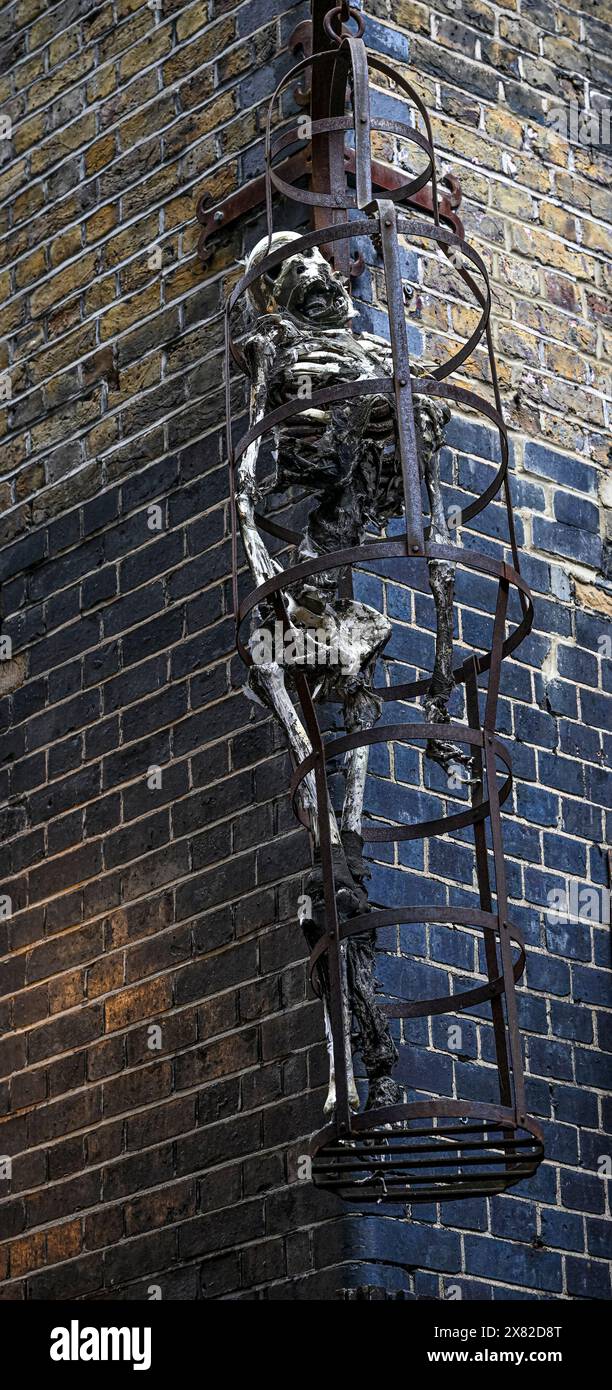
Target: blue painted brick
(604, 1030)
(440, 1034)
(471, 438)
(450, 860)
(543, 1187)
(549, 975)
(577, 665)
(567, 540)
(536, 805)
(574, 511)
(599, 784)
(536, 572)
(562, 853)
(512, 1263)
(425, 1071)
(565, 774)
(589, 629)
(547, 1058)
(571, 1021)
(475, 1082)
(569, 939)
(532, 1013)
(553, 617)
(597, 709)
(594, 1146)
(578, 741)
(599, 1238)
(575, 1105)
(522, 841)
(594, 1068)
(533, 650)
(583, 1191)
(559, 697)
(468, 1215)
(513, 1219)
(515, 681)
(452, 947)
(389, 41)
(561, 1142)
(570, 472)
(401, 1242)
(578, 818)
(590, 986)
(535, 726)
(562, 1229)
(587, 1278)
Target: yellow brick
(29, 133)
(101, 222)
(596, 237)
(201, 51)
(66, 992)
(145, 53)
(560, 359)
(511, 198)
(99, 295)
(414, 18)
(66, 245)
(30, 269)
(138, 377)
(520, 275)
(558, 220)
(143, 233)
(62, 285)
(529, 241)
(100, 154)
(101, 84)
(64, 46)
(517, 344)
(63, 142)
(129, 311)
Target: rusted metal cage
(440, 1148)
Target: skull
(304, 286)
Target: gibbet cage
(427, 1149)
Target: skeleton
(299, 339)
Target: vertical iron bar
(484, 889)
(406, 432)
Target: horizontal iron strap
(292, 134)
(395, 733)
(367, 1120)
(362, 226)
(425, 386)
(392, 916)
(378, 550)
(453, 1003)
(382, 833)
(340, 391)
(409, 1162)
(395, 1141)
(368, 227)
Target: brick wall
(161, 1055)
